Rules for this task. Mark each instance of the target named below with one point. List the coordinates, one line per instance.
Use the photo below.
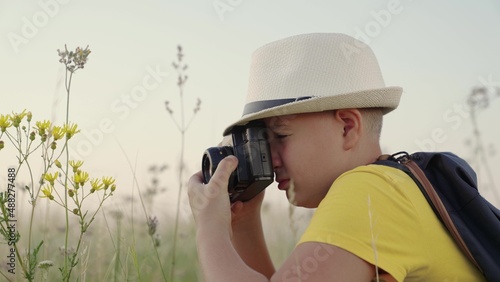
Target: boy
(322, 97)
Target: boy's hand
(210, 202)
(244, 212)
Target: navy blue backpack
(450, 186)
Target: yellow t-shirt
(380, 215)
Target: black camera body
(255, 169)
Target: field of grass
(122, 245)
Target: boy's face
(307, 154)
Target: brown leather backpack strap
(384, 157)
(438, 204)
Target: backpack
(450, 186)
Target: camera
(255, 170)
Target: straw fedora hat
(313, 73)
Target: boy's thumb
(224, 170)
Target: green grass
(129, 255)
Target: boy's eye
(281, 136)
(277, 135)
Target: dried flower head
(46, 264)
(74, 60)
(152, 225)
(197, 106)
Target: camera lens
(211, 159)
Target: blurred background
(444, 54)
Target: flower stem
(181, 168)
(66, 235)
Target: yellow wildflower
(16, 118)
(81, 177)
(42, 126)
(57, 132)
(47, 192)
(70, 129)
(75, 165)
(51, 177)
(4, 122)
(107, 181)
(96, 185)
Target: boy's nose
(275, 157)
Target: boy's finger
(224, 170)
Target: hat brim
(386, 98)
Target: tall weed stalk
(480, 99)
(180, 66)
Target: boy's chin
(297, 200)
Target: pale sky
(436, 50)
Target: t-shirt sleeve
(368, 213)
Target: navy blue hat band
(258, 106)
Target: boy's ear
(351, 121)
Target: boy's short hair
(373, 121)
